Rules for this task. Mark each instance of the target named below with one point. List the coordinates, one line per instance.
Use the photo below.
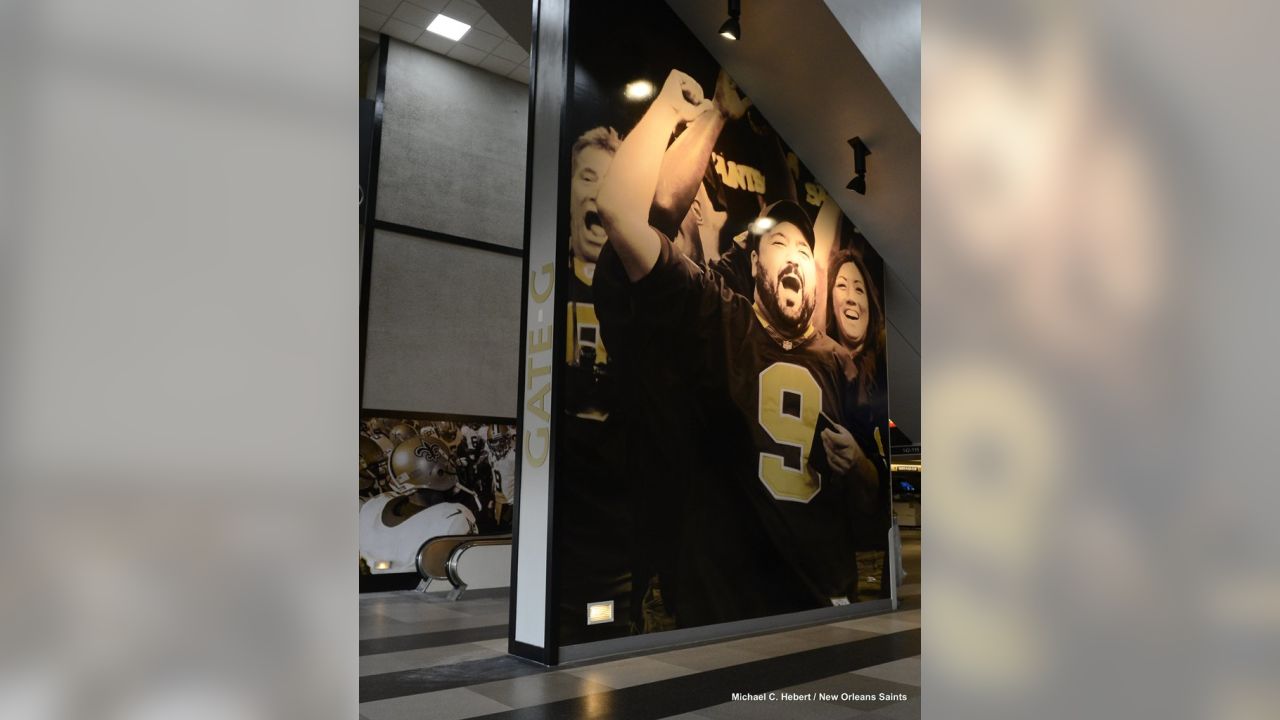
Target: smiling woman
(855, 318)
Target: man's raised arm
(687, 158)
(826, 229)
(627, 192)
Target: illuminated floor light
(599, 612)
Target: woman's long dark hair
(865, 362)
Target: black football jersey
(588, 389)
(773, 533)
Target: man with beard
(771, 530)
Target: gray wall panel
(444, 328)
(453, 148)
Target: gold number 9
(790, 401)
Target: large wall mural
(723, 428)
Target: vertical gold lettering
(532, 371)
(536, 460)
(539, 340)
(540, 297)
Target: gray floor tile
(426, 657)
(499, 645)
(421, 612)
(538, 689)
(392, 628)
(379, 626)
(452, 704)
(801, 640)
(709, 657)
(442, 600)
(880, 624)
(830, 630)
(396, 597)
(431, 678)
(632, 671)
(905, 671)
(485, 610)
(490, 618)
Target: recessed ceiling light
(639, 90)
(448, 27)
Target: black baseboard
(388, 582)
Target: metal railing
(438, 558)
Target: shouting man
(789, 476)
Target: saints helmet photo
(423, 463)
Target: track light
(731, 29)
(860, 152)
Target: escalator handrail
(441, 539)
(475, 541)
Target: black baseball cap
(788, 211)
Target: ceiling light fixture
(446, 26)
(639, 90)
(731, 28)
(859, 182)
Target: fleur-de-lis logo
(429, 451)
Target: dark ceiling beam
(515, 16)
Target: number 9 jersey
(778, 535)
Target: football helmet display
(402, 432)
(501, 443)
(447, 431)
(371, 459)
(423, 462)
(371, 455)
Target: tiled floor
(425, 657)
